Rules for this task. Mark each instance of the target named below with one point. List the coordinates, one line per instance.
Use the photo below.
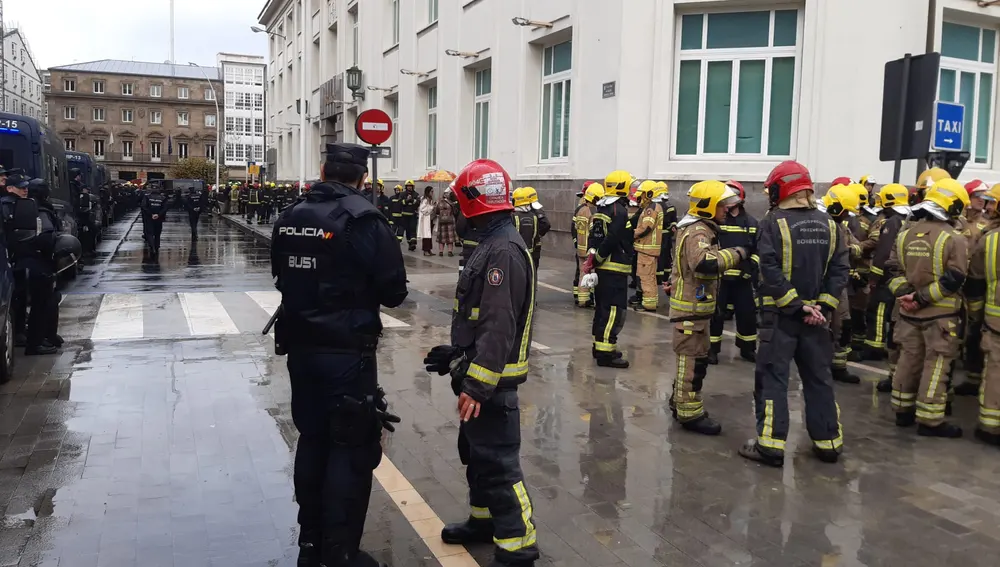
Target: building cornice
(171, 102)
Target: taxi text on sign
(948, 126)
(373, 127)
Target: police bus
(94, 177)
(28, 144)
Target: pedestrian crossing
(177, 315)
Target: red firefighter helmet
(584, 190)
(738, 187)
(976, 186)
(841, 181)
(483, 187)
(787, 179)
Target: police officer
(929, 264)
(16, 189)
(648, 231)
(410, 202)
(154, 212)
(40, 270)
(610, 257)
(592, 193)
(804, 270)
(530, 221)
(693, 288)
(396, 212)
(487, 360)
(335, 262)
(736, 290)
(194, 201)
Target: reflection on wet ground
(162, 436)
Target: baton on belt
(270, 322)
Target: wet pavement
(162, 436)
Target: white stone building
(680, 90)
(244, 123)
(22, 85)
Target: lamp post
(218, 120)
(354, 82)
(302, 95)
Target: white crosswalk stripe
(158, 316)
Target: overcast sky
(61, 32)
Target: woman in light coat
(425, 225)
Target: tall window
(210, 120)
(98, 87)
(156, 91)
(127, 149)
(230, 100)
(556, 83)
(432, 11)
(182, 119)
(355, 38)
(258, 101)
(182, 150)
(69, 112)
(258, 126)
(155, 117)
(98, 148)
(395, 22)
(155, 149)
(484, 86)
(736, 83)
(182, 92)
(209, 94)
(98, 115)
(69, 85)
(71, 144)
(230, 123)
(230, 153)
(968, 70)
(210, 151)
(394, 114)
(432, 126)
(127, 90)
(126, 115)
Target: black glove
(459, 368)
(439, 358)
(382, 412)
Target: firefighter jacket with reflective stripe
(254, 197)
(981, 290)
(494, 304)
(931, 259)
(649, 231)
(396, 206)
(667, 241)
(741, 230)
(244, 195)
(860, 227)
(698, 265)
(888, 231)
(581, 228)
(410, 202)
(532, 225)
(467, 233)
(977, 225)
(803, 261)
(234, 195)
(611, 236)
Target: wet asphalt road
(162, 436)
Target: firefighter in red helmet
(804, 270)
(487, 360)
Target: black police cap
(348, 153)
(17, 180)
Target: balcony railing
(161, 159)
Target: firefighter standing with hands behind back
(804, 270)
(693, 289)
(487, 360)
(648, 232)
(592, 193)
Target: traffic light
(952, 162)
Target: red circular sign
(373, 127)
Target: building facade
(245, 120)
(680, 90)
(138, 118)
(22, 85)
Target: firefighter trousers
(397, 225)
(840, 327)
(490, 447)
(878, 316)
(974, 352)
(989, 390)
(782, 340)
(859, 299)
(251, 211)
(691, 346)
(611, 298)
(920, 382)
(739, 294)
(645, 269)
(582, 295)
(410, 226)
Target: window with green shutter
(736, 83)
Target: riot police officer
(16, 189)
(487, 359)
(195, 200)
(336, 261)
(154, 212)
(40, 270)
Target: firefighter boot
(309, 555)
(826, 455)
(750, 450)
(748, 354)
(967, 388)
(843, 375)
(988, 438)
(636, 299)
(713, 353)
(906, 418)
(613, 361)
(704, 425)
(469, 531)
(945, 429)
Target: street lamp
(354, 82)
(218, 121)
(258, 29)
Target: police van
(94, 177)
(28, 144)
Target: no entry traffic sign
(373, 127)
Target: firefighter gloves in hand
(439, 359)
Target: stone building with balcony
(138, 118)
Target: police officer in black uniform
(16, 189)
(154, 212)
(40, 270)
(335, 261)
(195, 201)
(487, 360)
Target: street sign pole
(374, 150)
(904, 93)
(374, 127)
